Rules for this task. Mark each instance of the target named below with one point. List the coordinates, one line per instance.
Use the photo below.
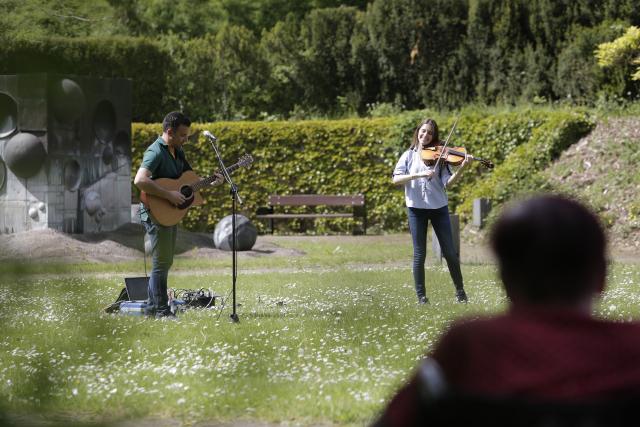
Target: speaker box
(137, 288)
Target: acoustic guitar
(189, 184)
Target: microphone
(209, 135)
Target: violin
(452, 155)
(433, 155)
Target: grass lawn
(324, 337)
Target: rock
(246, 234)
(92, 202)
(25, 154)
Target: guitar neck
(208, 180)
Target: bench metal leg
(364, 222)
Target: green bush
(326, 157)
(519, 173)
(138, 59)
(358, 156)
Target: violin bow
(446, 142)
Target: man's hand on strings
(219, 179)
(176, 198)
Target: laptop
(137, 288)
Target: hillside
(601, 169)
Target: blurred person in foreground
(548, 346)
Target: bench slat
(316, 200)
(292, 216)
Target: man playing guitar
(163, 159)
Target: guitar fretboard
(208, 180)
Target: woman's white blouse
(422, 192)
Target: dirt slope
(603, 170)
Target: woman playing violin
(426, 199)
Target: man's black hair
(549, 249)
(174, 120)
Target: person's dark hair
(436, 135)
(174, 120)
(549, 249)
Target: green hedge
(358, 156)
(124, 57)
(520, 172)
(327, 157)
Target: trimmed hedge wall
(358, 156)
(326, 157)
(138, 59)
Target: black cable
(222, 305)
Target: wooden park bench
(312, 200)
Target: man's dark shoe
(423, 300)
(461, 296)
(165, 315)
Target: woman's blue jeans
(163, 243)
(418, 222)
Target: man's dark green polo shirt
(158, 160)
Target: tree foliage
(622, 51)
(266, 59)
(64, 18)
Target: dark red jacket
(540, 354)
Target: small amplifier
(137, 288)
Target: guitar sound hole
(187, 192)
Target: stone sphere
(246, 233)
(8, 115)
(68, 100)
(24, 153)
(92, 202)
(33, 213)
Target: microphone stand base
(234, 318)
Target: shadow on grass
(132, 236)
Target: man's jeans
(418, 222)
(163, 243)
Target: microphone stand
(234, 197)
